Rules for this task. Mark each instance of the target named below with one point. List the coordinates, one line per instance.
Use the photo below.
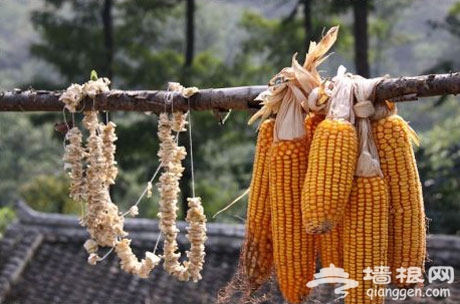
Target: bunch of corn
(342, 184)
(294, 251)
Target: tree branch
(237, 98)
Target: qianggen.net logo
(381, 277)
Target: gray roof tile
(42, 260)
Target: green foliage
(439, 164)
(26, 151)
(272, 42)
(383, 34)
(7, 216)
(148, 54)
(49, 193)
(74, 42)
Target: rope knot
(364, 109)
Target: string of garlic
(171, 156)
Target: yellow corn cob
(365, 235)
(334, 152)
(331, 247)
(258, 251)
(294, 251)
(311, 122)
(407, 231)
(330, 243)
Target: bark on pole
(236, 98)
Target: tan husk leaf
(368, 161)
(316, 52)
(289, 123)
(341, 101)
(304, 78)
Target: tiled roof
(42, 261)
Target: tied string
(368, 161)
(341, 99)
(192, 173)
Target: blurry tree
(384, 36)
(306, 7)
(189, 33)
(49, 193)
(361, 10)
(272, 42)
(451, 24)
(360, 31)
(26, 151)
(440, 157)
(108, 36)
(439, 166)
(147, 52)
(7, 215)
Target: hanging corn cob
(365, 222)
(258, 250)
(294, 251)
(330, 249)
(407, 231)
(311, 123)
(365, 233)
(333, 155)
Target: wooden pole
(236, 98)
